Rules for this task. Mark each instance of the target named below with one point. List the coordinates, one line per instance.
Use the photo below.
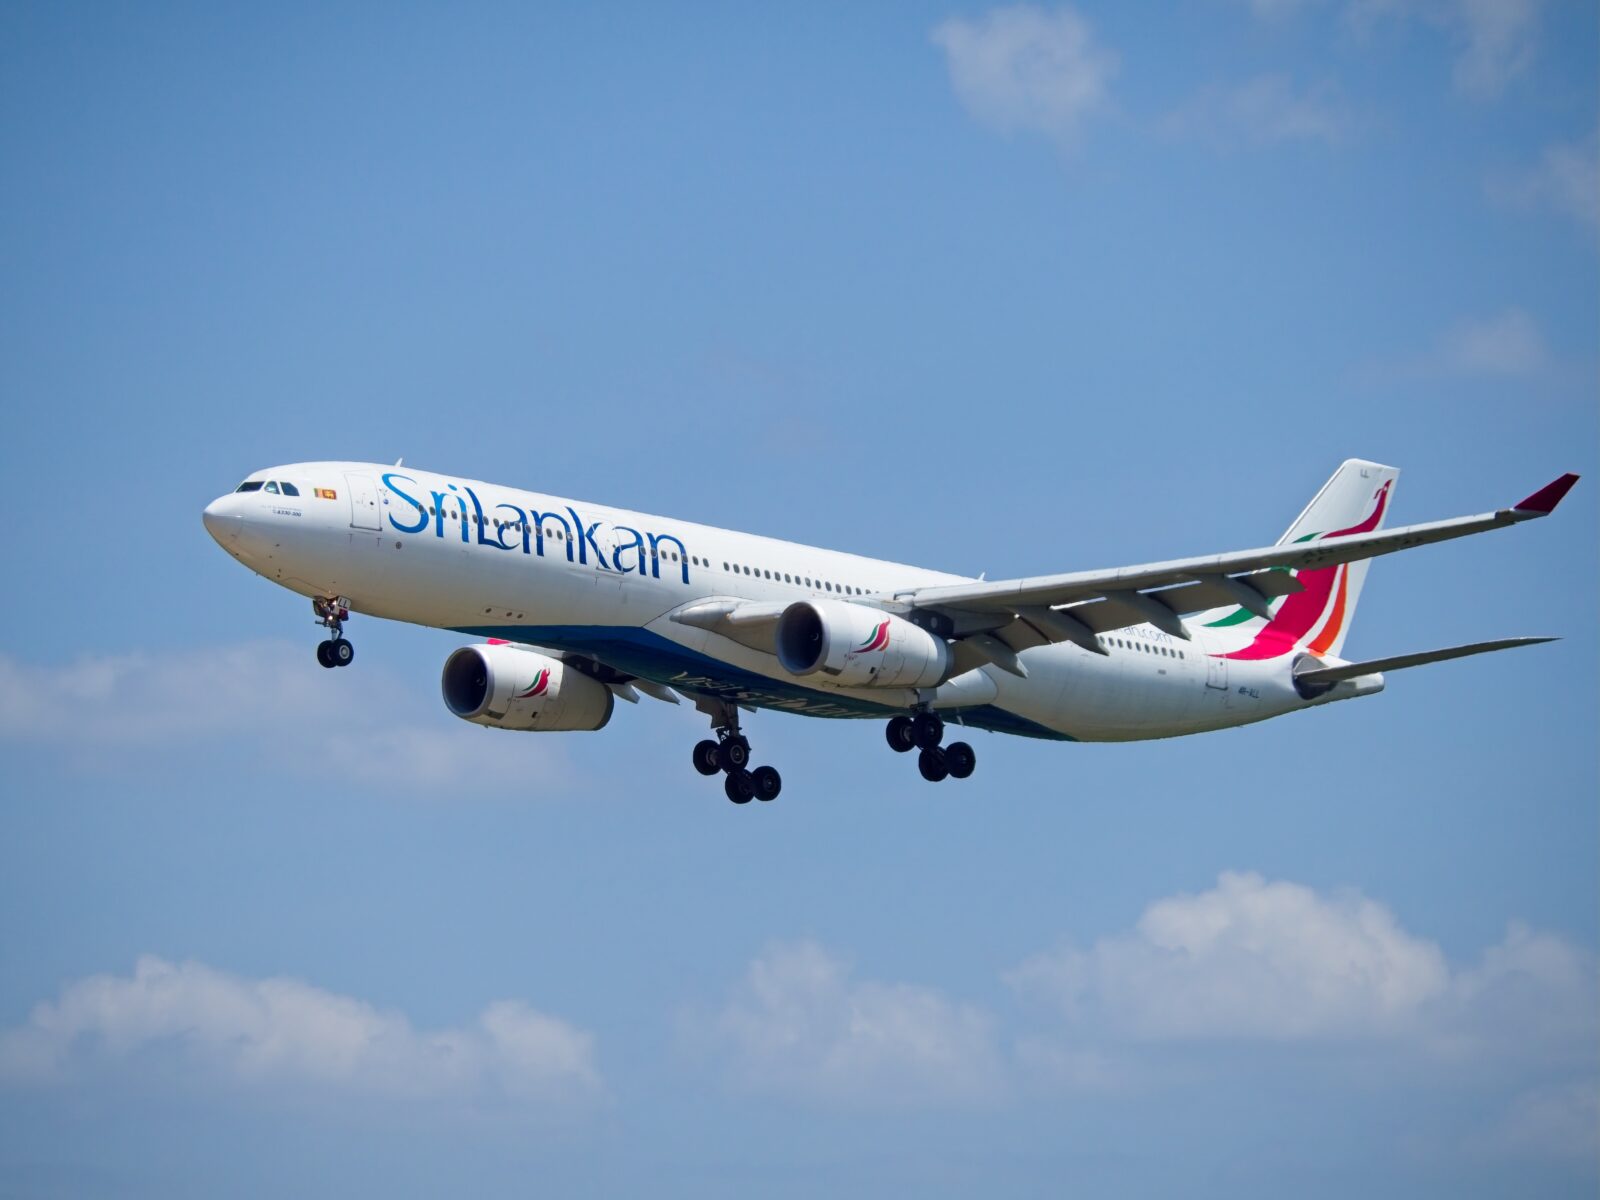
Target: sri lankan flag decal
(326, 494)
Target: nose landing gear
(924, 730)
(730, 755)
(336, 651)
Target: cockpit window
(249, 485)
(289, 489)
(273, 488)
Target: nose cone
(221, 522)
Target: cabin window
(249, 485)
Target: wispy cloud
(1495, 41)
(1506, 345)
(1498, 41)
(1266, 110)
(266, 699)
(799, 1024)
(1025, 68)
(1566, 179)
(214, 1028)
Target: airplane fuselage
(497, 562)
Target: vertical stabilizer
(1317, 618)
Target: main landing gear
(331, 615)
(730, 754)
(923, 731)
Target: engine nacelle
(857, 646)
(507, 687)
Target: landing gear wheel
(767, 783)
(927, 730)
(705, 757)
(734, 754)
(960, 759)
(932, 764)
(739, 787)
(325, 654)
(899, 735)
(342, 652)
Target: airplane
(578, 604)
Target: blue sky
(989, 289)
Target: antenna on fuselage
(399, 460)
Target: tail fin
(1317, 617)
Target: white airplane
(580, 604)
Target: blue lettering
(422, 513)
(483, 525)
(465, 516)
(538, 519)
(656, 539)
(586, 540)
(521, 521)
(636, 545)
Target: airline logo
(877, 640)
(508, 527)
(537, 687)
(1324, 594)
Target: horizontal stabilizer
(1332, 675)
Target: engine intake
(508, 687)
(857, 646)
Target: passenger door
(363, 502)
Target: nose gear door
(363, 502)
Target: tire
(342, 653)
(767, 783)
(932, 765)
(898, 734)
(705, 757)
(927, 730)
(739, 787)
(734, 754)
(958, 756)
(325, 654)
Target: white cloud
(236, 1031)
(1028, 69)
(1265, 110)
(271, 700)
(1247, 959)
(1265, 961)
(1566, 180)
(799, 1025)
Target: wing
(1330, 675)
(1077, 606)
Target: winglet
(1544, 501)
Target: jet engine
(857, 646)
(508, 687)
